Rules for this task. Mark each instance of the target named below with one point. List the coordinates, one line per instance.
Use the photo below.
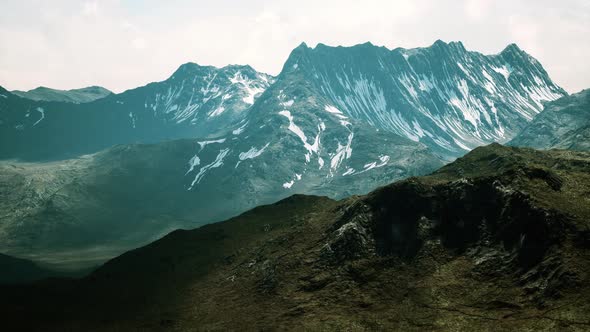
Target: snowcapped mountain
(201, 97)
(444, 96)
(337, 112)
(196, 101)
(563, 124)
(295, 140)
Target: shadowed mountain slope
(499, 240)
(563, 124)
(16, 270)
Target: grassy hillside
(498, 240)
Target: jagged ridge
(447, 97)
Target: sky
(123, 44)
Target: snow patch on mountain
(194, 161)
(205, 143)
(217, 111)
(311, 148)
(288, 103)
(349, 171)
(250, 87)
(342, 118)
(289, 184)
(342, 152)
(42, 112)
(216, 163)
(333, 110)
(504, 71)
(251, 154)
(295, 129)
(375, 164)
(240, 129)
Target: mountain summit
(195, 101)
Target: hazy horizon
(121, 44)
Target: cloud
(138, 43)
(526, 31)
(90, 8)
(477, 9)
(123, 44)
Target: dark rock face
(467, 214)
(495, 220)
(352, 237)
(400, 219)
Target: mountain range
(108, 175)
(77, 96)
(444, 96)
(196, 101)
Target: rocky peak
(444, 96)
(512, 49)
(190, 68)
(454, 47)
